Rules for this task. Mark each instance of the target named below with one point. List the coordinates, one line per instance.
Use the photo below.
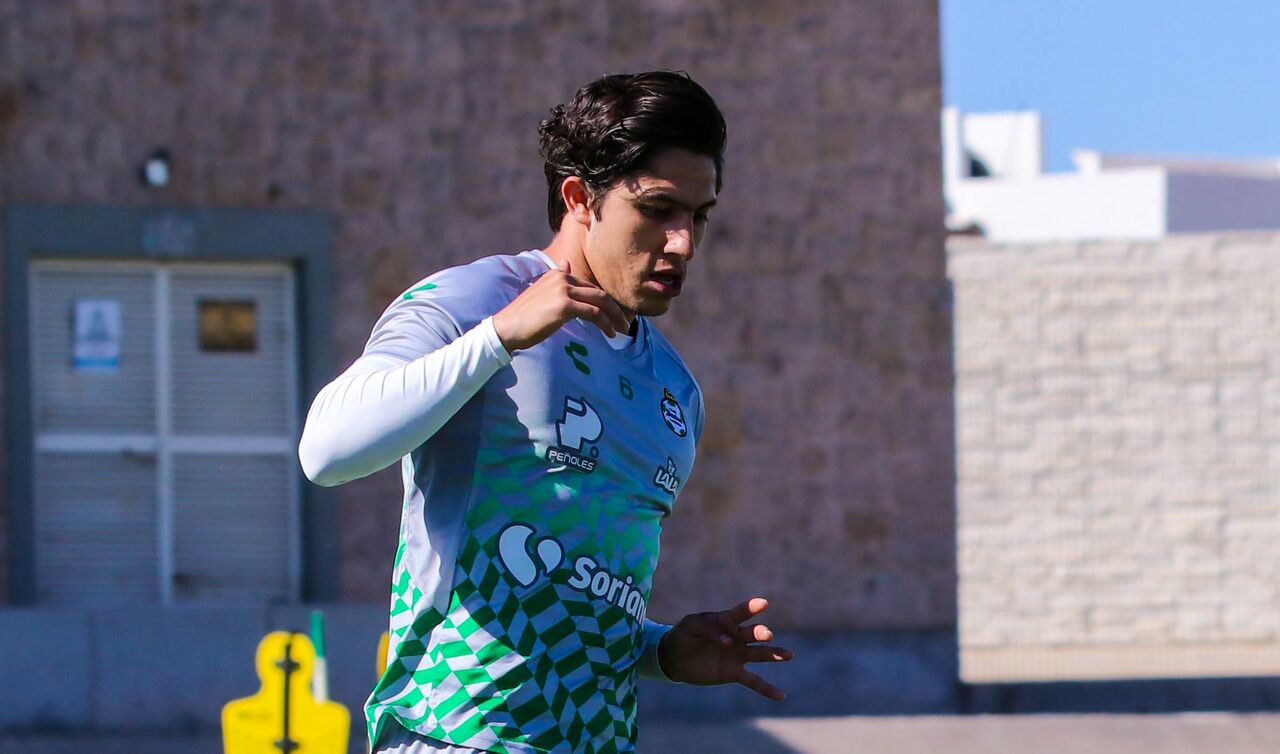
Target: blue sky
(1183, 77)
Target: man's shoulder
(492, 276)
(682, 382)
(664, 349)
(452, 301)
(470, 292)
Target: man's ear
(577, 200)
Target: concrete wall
(817, 316)
(1119, 457)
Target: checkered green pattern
(542, 668)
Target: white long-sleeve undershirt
(383, 407)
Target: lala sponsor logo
(667, 478)
(576, 434)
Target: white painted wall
(1062, 206)
(1011, 144)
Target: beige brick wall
(1118, 431)
(817, 316)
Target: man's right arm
(385, 405)
(415, 374)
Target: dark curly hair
(615, 124)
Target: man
(546, 428)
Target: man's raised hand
(711, 648)
(552, 300)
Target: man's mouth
(668, 282)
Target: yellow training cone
(284, 717)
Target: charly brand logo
(513, 550)
(574, 350)
(672, 414)
(666, 477)
(526, 557)
(576, 433)
(408, 295)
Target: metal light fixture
(155, 171)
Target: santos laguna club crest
(672, 414)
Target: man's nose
(680, 240)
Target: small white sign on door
(97, 335)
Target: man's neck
(568, 246)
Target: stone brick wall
(1119, 457)
(817, 317)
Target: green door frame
(301, 239)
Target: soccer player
(545, 428)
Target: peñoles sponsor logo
(576, 433)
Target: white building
(995, 184)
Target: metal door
(164, 449)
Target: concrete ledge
(1013, 664)
(162, 670)
(45, 669)
(172, 669)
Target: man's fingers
(761, 686)
(598, 298)
(705, 627)
(607, 309)
(592, 314)
(616, 316)
(768, 654)
(745, 611)
(754, 633)
(588, 294)
(728, 627)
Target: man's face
(648, 227)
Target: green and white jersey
(531, 521)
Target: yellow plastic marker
(284, 717)
(382, 653)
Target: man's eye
(701, 218)
(654, 211)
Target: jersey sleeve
(430, 352)
(651, 635)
